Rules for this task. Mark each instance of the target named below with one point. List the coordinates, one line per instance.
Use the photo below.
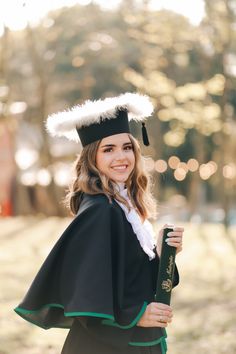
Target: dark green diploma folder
(166, 271)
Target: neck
(119, 185)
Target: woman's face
(115, 157)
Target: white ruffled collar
(144, 231)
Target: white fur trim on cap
(63, 123)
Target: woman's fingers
(174, 243)
(159, 315)
(160, 306)
(156, 315)
(175, 238)
(159, 311)
(175, 233)
(160, 318)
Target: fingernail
(167, 240)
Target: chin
(120, 179)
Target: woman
(99, 279)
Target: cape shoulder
(97, 200)
(98, 204)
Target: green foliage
(84, 52)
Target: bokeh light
(28, 178)
(179, 174)
(173, 162)
(161, 166)
(62, 174)
(192, 165)
(149, 164)
(183, 165)
(213, 166)
(26, 157)
(174, 138)
(229, 171)
(78, 61)
(204, 171)
(18, 107)
(43, 177)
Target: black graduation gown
(96, 277)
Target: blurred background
(182, 54)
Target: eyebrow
(111, 145)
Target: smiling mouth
(120, 167)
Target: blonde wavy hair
(88, 179)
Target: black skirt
(79, 341)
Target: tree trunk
(45, 156)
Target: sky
(16, 13)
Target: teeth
(119, 168)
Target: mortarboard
(95, 120)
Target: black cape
(98, 273)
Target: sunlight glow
(16, 14)
(43, 177)
(194, 10)
(26, 157)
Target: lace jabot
(144, 231)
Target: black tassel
(145, 135)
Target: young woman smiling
(99, 280)
(115, 157)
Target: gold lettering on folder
(169, 269)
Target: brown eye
(107, 150)
(128, 147)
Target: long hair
(88, 179)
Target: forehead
(117, 139)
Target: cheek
(102, 161)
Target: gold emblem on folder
(166, 285)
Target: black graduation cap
(95, 120)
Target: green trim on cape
(108, 319)
(23, 312)
(163, 346)
(161, 340)
(132, 324)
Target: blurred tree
(166, 66)
(220, 26)
(83, 52)
(190, 93)
(40, 72)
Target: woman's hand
(175, 238)
(156, 315)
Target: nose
(120, 155)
